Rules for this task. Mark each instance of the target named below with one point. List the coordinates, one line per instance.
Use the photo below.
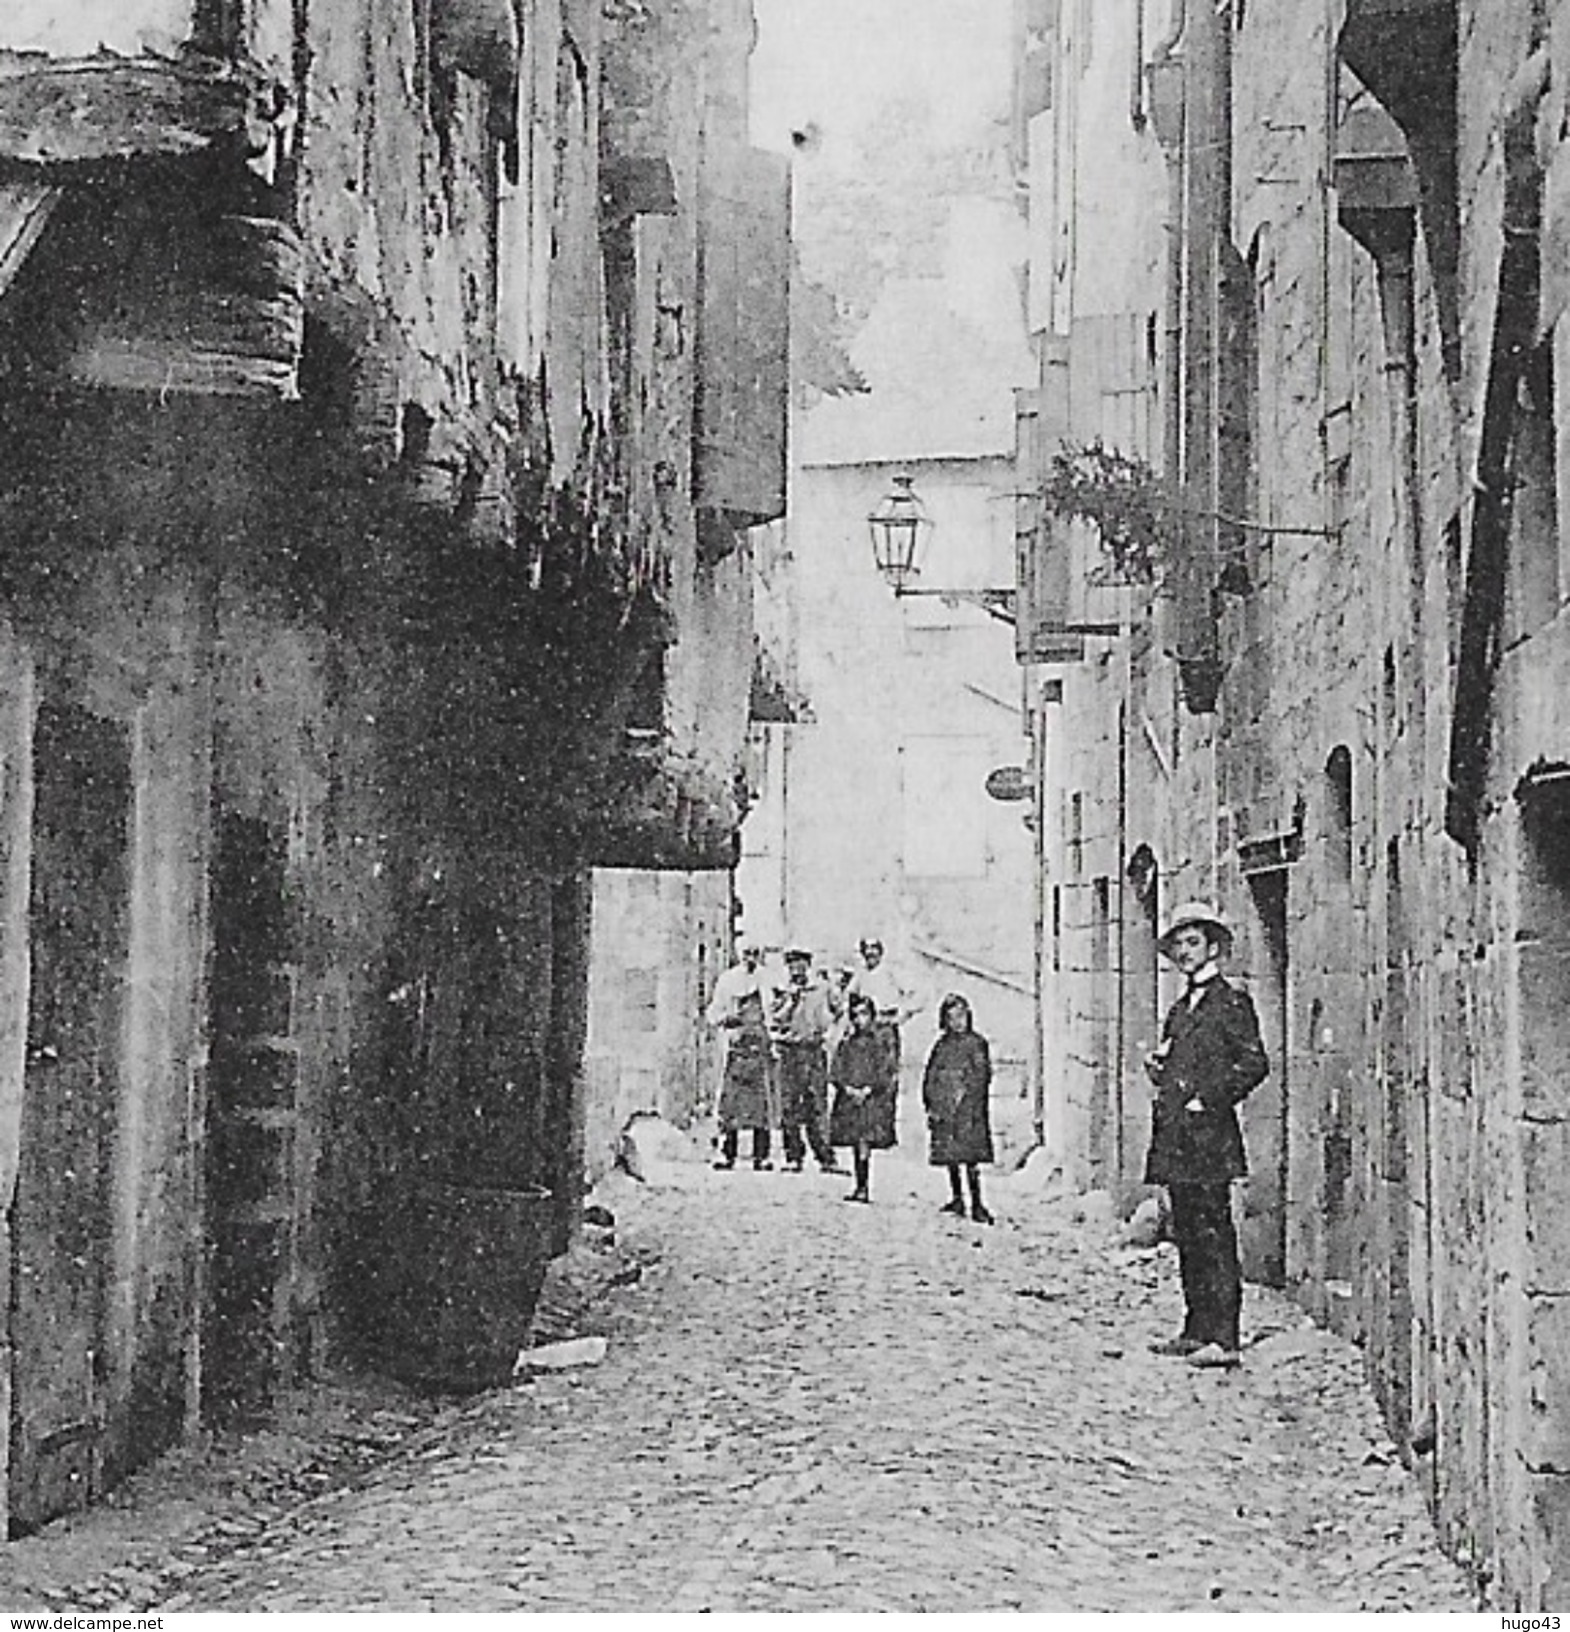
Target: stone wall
(1407, 982)
(325, 628)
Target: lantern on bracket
(899, 526)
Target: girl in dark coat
(862, 1073)
(956, 1092)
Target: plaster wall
(661, 941)
(88, 26)
(899, 691)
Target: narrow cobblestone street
(810, 1406)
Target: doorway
(1265, 1112)
(1338, 1210)
(1392, 1302)
(78, 918)
(251, 1124)
(1141, 1005)
(1103, 1067)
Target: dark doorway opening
(1142, 1004)
(253, 1081)
(1103, 997)
(62, 1235)
(1334, 1062)
(1392, 1300)
(1265, 1112)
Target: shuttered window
(743, 336)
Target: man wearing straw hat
(1210, 1058)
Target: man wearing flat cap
(804, 1014)
(1209, 1059)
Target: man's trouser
(804, 1094)
(1207, 1262)
(731, 1139)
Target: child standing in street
(863, 1078)
(956, 1091)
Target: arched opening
(1141, 1001)
(1339, 813)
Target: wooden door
(61, 1237)
(252, 1110)
(1267, 1112)
(1104, 1133)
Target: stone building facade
(357, 457)
(709, 327)
(1338, 713)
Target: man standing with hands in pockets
(1209, 1059)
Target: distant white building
(873, 817)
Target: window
(1243, 287)
(1391, 693)
(1536, 591)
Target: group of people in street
(818, 1057)
(791, 1047)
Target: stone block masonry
(1385, 739)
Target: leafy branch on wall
(1127, 502)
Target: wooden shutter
(743, 337)
(1041, 547)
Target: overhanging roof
(89, 110)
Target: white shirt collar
(1201, 978)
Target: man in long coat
(1210, 1058)
(743, 999)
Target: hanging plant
(1124, 499)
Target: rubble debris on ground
(204, 1501)
(656, 1152)
(595, 1265)
(1039, 1173)
(564, 1356)
(1146, 1227)
(1094, 1207)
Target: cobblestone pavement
(811, 1406)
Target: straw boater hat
(1196, 915)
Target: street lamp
(899, 526)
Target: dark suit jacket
(1216, 1057)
